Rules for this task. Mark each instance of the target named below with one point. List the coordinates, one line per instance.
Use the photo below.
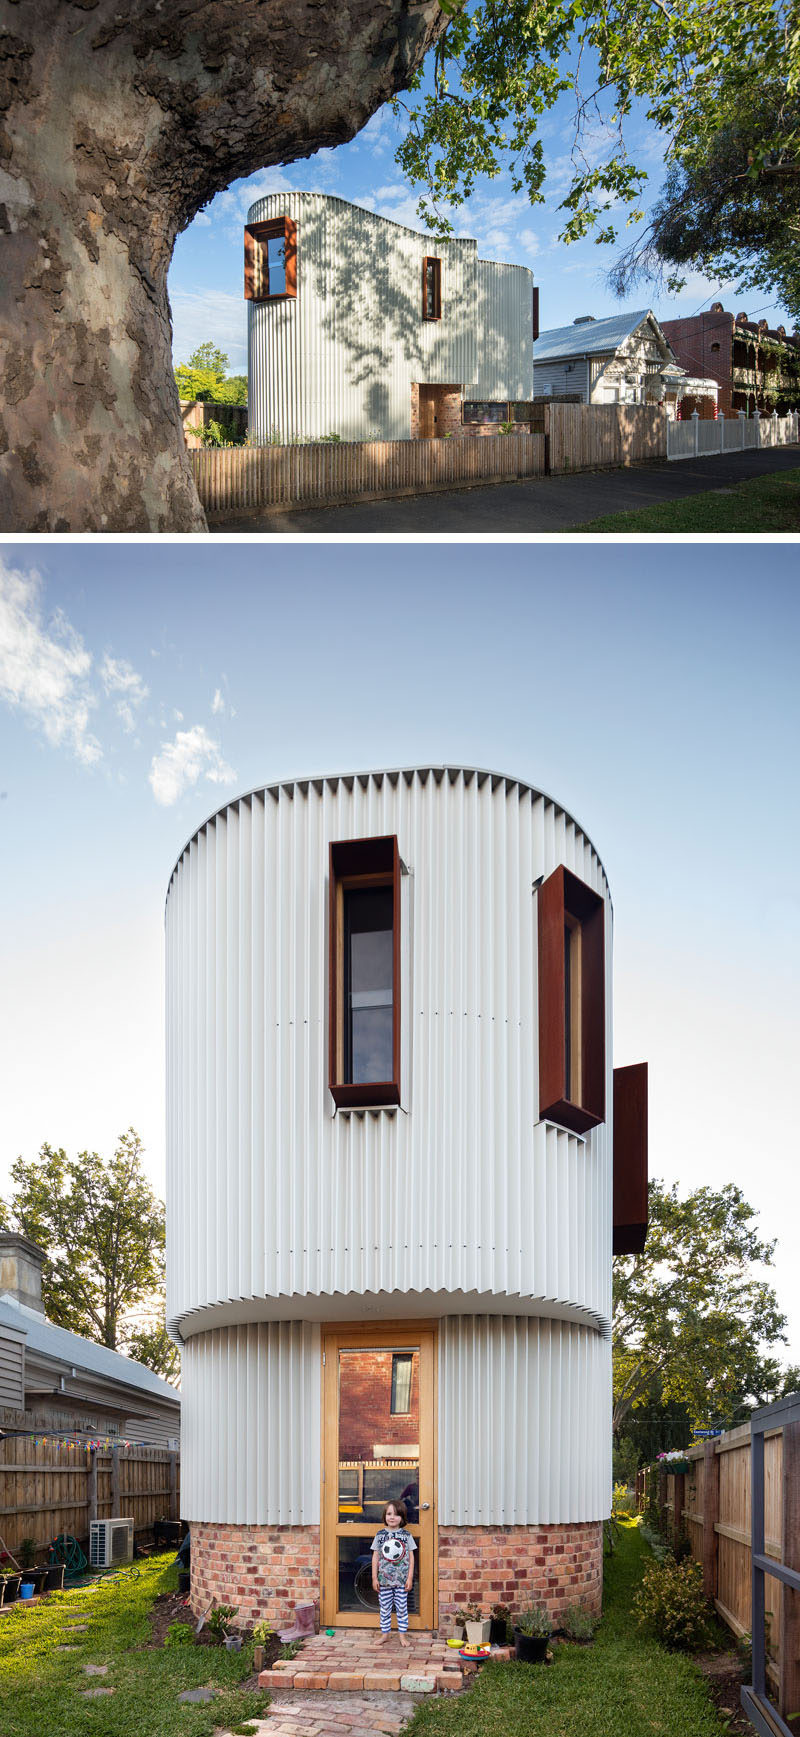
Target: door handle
(424, 1504)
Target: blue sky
(652, 690)
(206, 277)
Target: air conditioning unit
(110, 1541)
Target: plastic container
(26, 1589)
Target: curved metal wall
(504, 309)
(524, 1422)
(250, 1423)
(278, 1207)
(340, 357)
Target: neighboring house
(397, 1157)
(361, 328)
(757, 366)
(622, 360)
(55, 1381)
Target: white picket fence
(697, 438)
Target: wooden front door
(427, 412)
(378, 1431)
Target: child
(393, 1570)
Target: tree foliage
(502, 64)
(208, 385)
(731, 207)
(693, 1323)
(102, 1232)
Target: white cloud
(198, 315)
(120, 678)
(181, 763)
(218, 703)
(44, 668)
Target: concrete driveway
(554, 503)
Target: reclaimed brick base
(263, 1570)
(516, 1565)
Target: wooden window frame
(567, 906)
(360, 863)
(256, 259)
(434, 260)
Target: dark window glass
(276, 260)
(568, 1007)
(401, 1383)
(430, 289)
(368, 950)
(485, 412)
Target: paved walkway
(353, 1659)
(553, 503)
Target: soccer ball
(392, 1550)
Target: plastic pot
(498, 1631)
(26, 1589)
(531, 1649)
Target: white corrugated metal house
(362, 328)
(393, 1185)
(54, 1380)
(622, 360)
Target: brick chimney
(21, 1269)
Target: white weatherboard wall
(460, 1206)
(341, 356)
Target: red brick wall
(365, 1397)
(266, 1570)
(518, 1565)
(263, 1570)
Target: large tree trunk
(119, 119)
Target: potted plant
(9, 1586)
(498, 1626)
(532, 1630)
(477, 1626)
(457, 1626)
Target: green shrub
(670, 1603)
(655, 1541)
(577, 1624)
(290, 1650)
(179, 1634)
(220, 1619)
(262, 1633)
(623, 1501)
(535, 1621)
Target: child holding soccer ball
(393, 1570)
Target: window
(431, 289)
(485, 412)
(364, 989)
(270, 260)
(630, 1159)
(402, 1369)
(571, 1003)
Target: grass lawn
(766, 503)
(622, 1686)
(41, 1688)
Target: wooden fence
(711, 1504)
(46, 1488)
(601, 436)
(232, 478)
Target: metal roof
(588, 339)
(79, 1353)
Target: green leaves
(500, 65)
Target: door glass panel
(378, 1441)
(355, 1576)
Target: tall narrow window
(365, 973)
(571, 1003)
(270, 260)
(402, 1369)
(431, 289)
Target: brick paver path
(354, 1659)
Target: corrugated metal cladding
(250, 1425)
(341, 356)
(531, 1398)
(531, 1401)
(505, 332)
(275, 1201)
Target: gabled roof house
(398, 1160)
(622, 360)
(53, 1380)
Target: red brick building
(757, 367)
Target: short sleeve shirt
(394, 1555)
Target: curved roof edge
(394, 774)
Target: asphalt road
(553, 503)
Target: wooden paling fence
(711, 1504)
(596, 436)
(231, 478)
(46, 1488)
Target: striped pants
(397, 1596)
